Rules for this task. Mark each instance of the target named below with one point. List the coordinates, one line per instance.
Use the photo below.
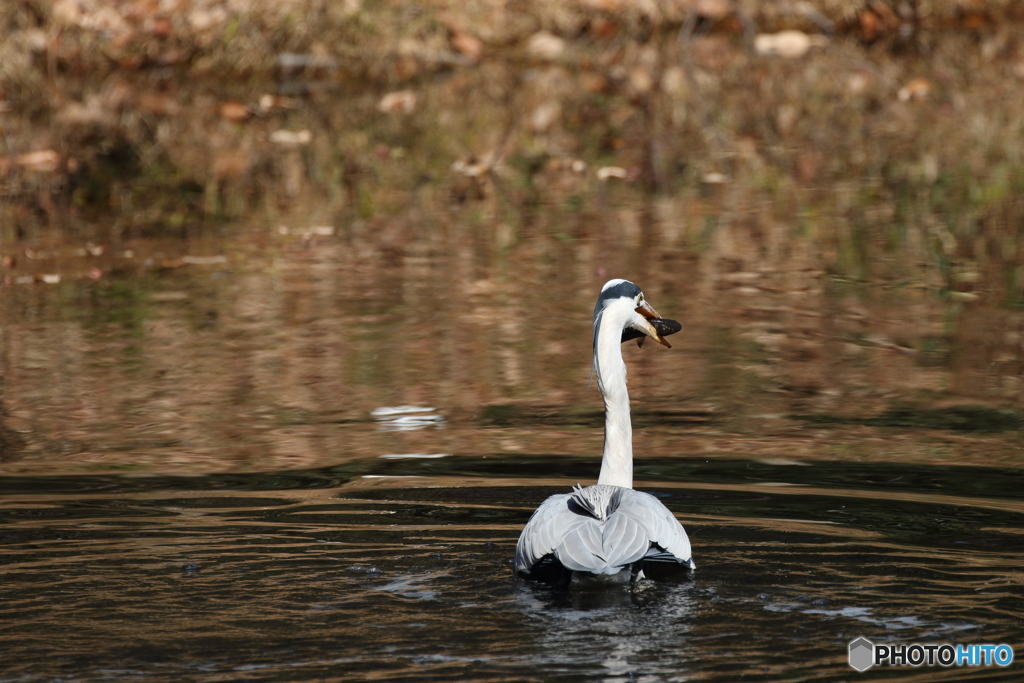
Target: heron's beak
(659, 327)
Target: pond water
(399, 569)
(279, 458)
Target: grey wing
(579, 541)
(663, 529)
(544, 531)
(624, 540)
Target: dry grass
(890, 143)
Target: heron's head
(623, 304)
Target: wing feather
(580, 549)
(663, 529)
(641, 527)
(625, 541)
(544, 531)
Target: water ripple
(410, 579)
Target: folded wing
(669, 541)
(639, 528)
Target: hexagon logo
(862, 654)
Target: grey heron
(608, 532)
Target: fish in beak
(657, 328)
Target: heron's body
(608, 531)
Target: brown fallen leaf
(591, 81)
(716, 10)
(601, 27)
(609, 6)
(41, 161)
(401, 101)
(230, 164)
(545, 114)
(790, 44)
(917, 89)
(545, 46)
(271, 103)
(291, 138)
(467, 44)
(607, 172)
(870, 25)
(234, 111)
(158, 103)
(172, 56)
(161, 27)
(640, 80)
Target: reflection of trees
(11, 442)
(278, 361)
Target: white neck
(617, 462)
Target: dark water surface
(399, 569)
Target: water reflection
(268, 362)
(617, 635)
